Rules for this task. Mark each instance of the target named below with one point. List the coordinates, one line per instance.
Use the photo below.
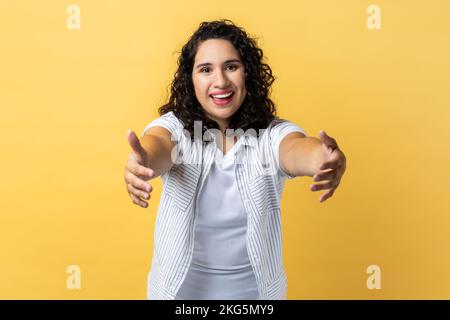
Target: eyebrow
(209, 64)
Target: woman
(218, 230)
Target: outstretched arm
(150, 158)
(318, 158)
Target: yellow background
(68, 97)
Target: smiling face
(219, 80)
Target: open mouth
(222, 99)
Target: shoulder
(279, 128)
(171, 118)
(168, 121)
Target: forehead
(215, 50)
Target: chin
(223, 112)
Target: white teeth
(223, 95)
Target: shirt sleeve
(277, 133)
(168, 121)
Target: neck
(223, 125)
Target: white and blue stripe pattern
(260, 181)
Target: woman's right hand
(138, 172)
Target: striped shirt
(260, 181)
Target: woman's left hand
(331, 169)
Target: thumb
(327, 140)
(135, 144)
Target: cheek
(240, 82)
(241, 85)
(201, 88)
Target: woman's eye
(233, 67)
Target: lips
(223, 101)
(220, 92)
(223, 95)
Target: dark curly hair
(257, 110)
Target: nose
(221, 80)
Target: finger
(135, 144)
(137, 182)
(325, 175)
(139, 170)
(327, 195)
(329, 141)
(329, 165)
(138, 193)
(321, 186)
(135, 200)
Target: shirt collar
(248, 139)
